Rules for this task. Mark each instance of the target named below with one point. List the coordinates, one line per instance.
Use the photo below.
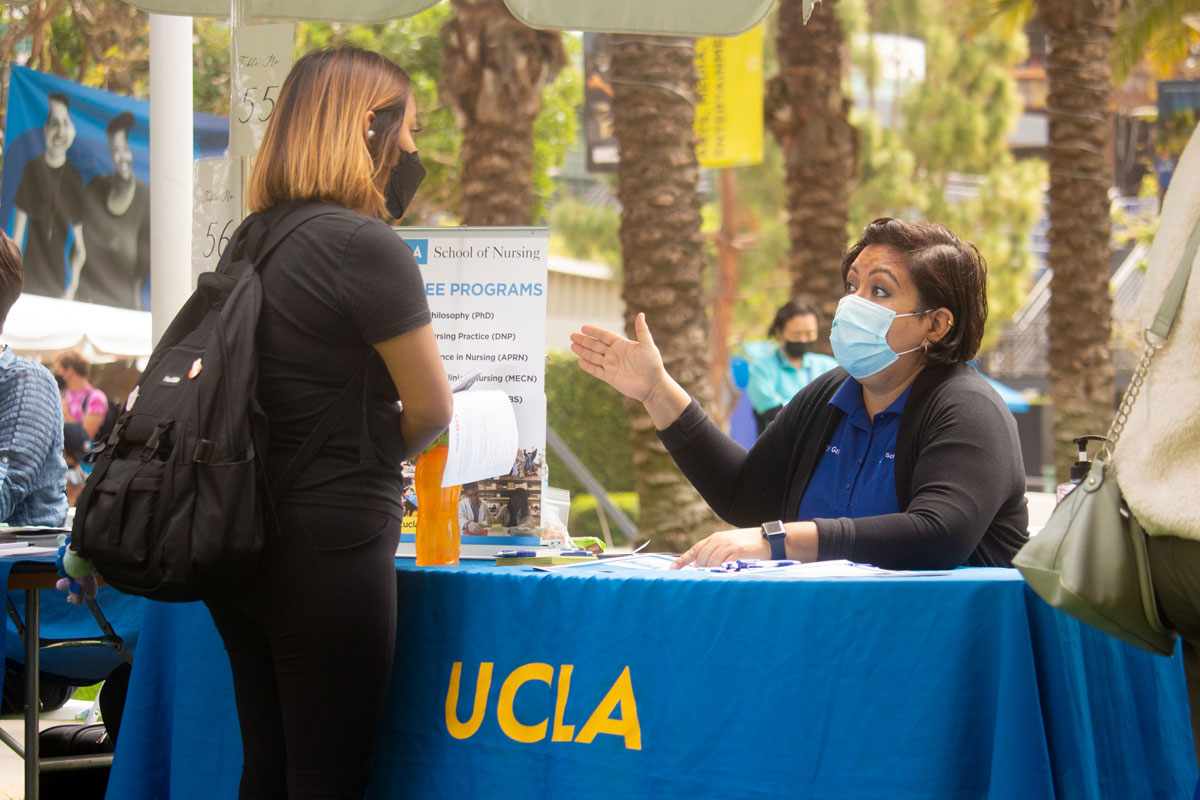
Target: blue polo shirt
(856, 477)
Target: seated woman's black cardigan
(960, 480)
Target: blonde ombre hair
(314, 148)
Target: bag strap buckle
(115, 437)
(155, 440)
(205, 450)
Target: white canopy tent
(38, 327)
(665, 17)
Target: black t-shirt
(334, 287)
(118, 246)
(52, 197)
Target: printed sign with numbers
(262, 57)
(216, 210)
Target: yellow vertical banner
(729, 116)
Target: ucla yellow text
(601, 720)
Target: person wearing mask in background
(473, 514)
(32, 469)
(517, 513)
(48, 206)
(311, 638)
(904, 457)
(116, 227)
(81, 402)
(777, 376)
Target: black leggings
(310, 642)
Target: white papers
(796, 569)
(747, 568)
(643, 561)
(24, 550)
(483, 437)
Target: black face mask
(402, 184)
(797, 349)
(62, 384)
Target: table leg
(32, 699)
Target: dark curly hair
(947, 272)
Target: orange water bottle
(437, 509)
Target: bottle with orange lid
(437, 537)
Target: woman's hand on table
(725, 546)
(722, 546)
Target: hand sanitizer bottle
(1080, 468)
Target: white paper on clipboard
(483, 437)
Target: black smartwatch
(776, 534)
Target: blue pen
(516, 553)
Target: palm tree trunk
(497, 173)
(808, 113)
(654, 82)
(1080, 161)
(493, 71)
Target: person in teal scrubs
(776, 376)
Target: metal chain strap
(1153, 345)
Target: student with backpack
(310, 638)
(257, 463)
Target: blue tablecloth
(61, 620)
(962, 685)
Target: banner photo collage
(75, 193)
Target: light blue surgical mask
(859, 336)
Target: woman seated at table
(904, 457)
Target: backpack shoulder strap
(324, 427)
(276, 233)
(285, 226)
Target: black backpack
(177, 502)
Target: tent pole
(239, 17)
(170, 167)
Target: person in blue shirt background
(775, 377)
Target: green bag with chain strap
(1090, 558)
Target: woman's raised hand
(634, 369)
